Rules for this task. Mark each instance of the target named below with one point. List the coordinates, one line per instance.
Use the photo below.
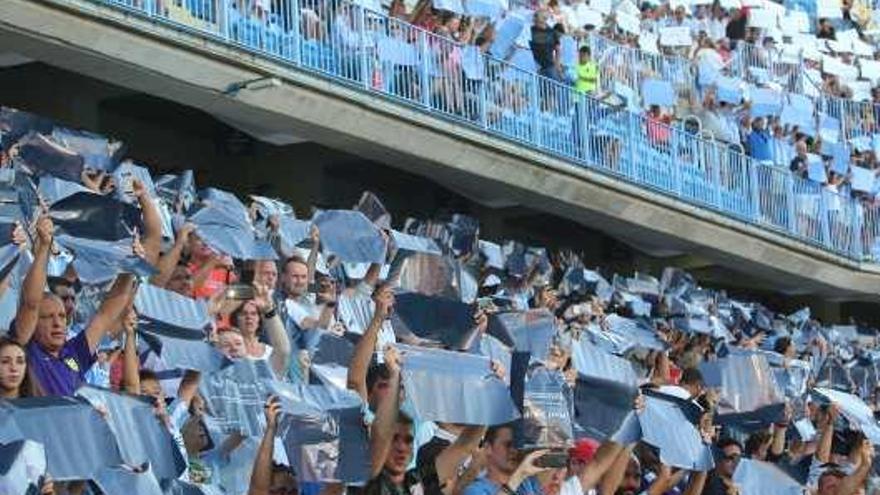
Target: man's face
(296, 279)
(551, 481)
(51, 332)
(502, 454)
(380, 389)
(231, 344)
(828, 485)
(181, 281)
(283, 483)
(632, 479)
(266, 274)
(401, 450)
(729, 461)
(68, 298)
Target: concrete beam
(194, 70)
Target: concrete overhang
(194, 70)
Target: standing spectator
(759, 141)
(503, 475)
(59, 365)
(736, 27)
(587, 72)
(720, 482)
(545, 47)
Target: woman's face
(12, 368)
(249, 318)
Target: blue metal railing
(368, 50)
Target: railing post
(824, 231)
(856, 229)
(631, 138)
(296, 31)
(789, 204)
(716, 177)
(582, 111)
(751, 173)
(534, 89)
(484, 93)
(223, 19)
(424, 69)
(363, 52)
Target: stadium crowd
(259, 353)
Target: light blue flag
(568, 51)
(505, 34)
(765, 102)
(658, 92)
(728, 90)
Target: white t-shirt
(572, 486)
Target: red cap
(583, 450)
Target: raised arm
(114, 303)
(152, 238)
(168, 261)
(823, 449)
(131, 381)
(312, 261)
(261, 475)
(363, 351)
(448, 461)
(605, 456)
(382, 431)
(614, 476)
(189, 386)
(274, 328)
(34, 283)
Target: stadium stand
(149, 319)
(727, 103)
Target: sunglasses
(732, 458)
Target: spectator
(759, 141)
(58, 364)
(825, 30)
(736, 27)
(15, 379)
(658, 124)
(391, 444)
(545, 47)
(503, 474)
(587, 72)
(720, 481)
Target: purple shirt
(64, 374)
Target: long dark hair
(29, 386)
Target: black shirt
(543, 44)
(418, 481)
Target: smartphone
(240, 292)
(555, 459)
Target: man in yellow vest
(587, 72)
